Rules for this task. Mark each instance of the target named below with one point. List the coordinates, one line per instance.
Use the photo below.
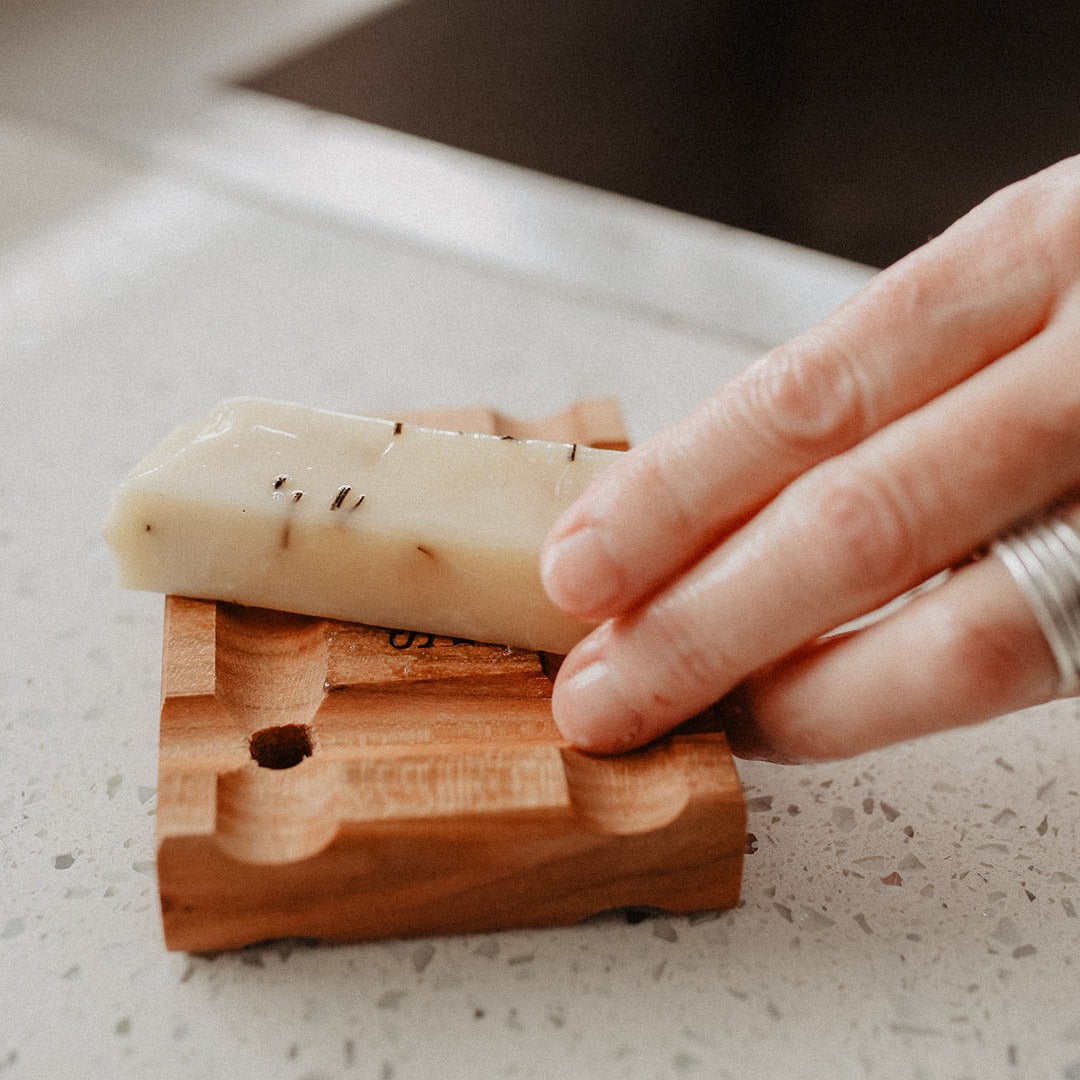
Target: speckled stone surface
(913, 913)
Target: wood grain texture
(330, 780)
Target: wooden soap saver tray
(329, 780)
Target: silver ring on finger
(1044, 561)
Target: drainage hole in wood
(282, 747)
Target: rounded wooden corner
(628, 794)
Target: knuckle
(993, 667)
(861, 529)
(1035, 219)
(910, 292)
(808, 400)
(1037, 425)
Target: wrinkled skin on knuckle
(910, 291)
(804, 400)
(1037, 220)
(946, 285)
(864, 543)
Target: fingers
(960, 654)
(920, 328)
(844, 538)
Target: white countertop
(909, 914)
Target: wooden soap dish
(330, 780)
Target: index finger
(926, 324)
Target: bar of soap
(282, 506)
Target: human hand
(894, 440)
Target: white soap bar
(283, 506)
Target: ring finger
(962, 653)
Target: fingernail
(579, 574)
(591, 712)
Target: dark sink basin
(859, 129)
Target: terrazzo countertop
(912, 913)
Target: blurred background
(855, 128)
